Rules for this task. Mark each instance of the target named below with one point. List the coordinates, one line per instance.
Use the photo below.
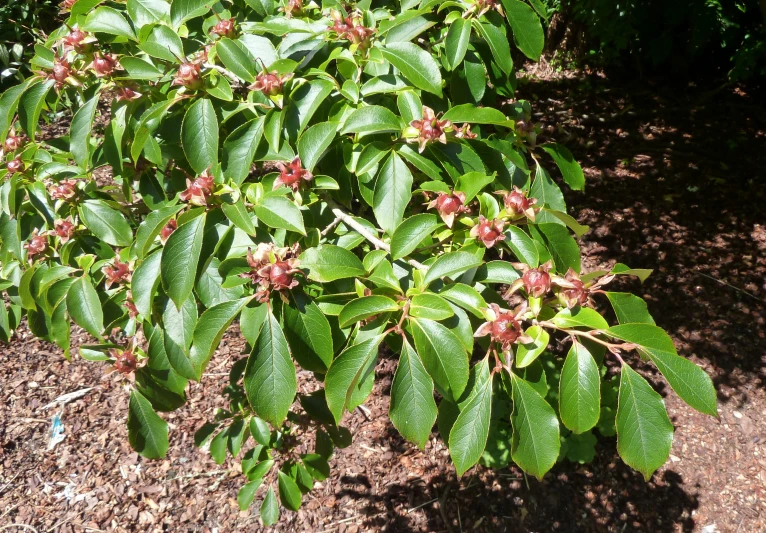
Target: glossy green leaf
(466, 297)
(81, 132)
(644, 431)
(450, 265)
(182, 10)
(106, 223)
(314, 142)
(413, 409)
(270, 380)
(210, 329)
(579, 390)
(443, 355)
(31, 105)
(143, 12)
(431, 306)
(84, 306)
(269, 509)
(147, 432)
(289, 493)
(180, 258)
(469, 113)
(239, 150)
(309, 334)
(364, 308)
(107, 20)
(468, 436)
(629, 308)
(329, 263)
(527, 353)
(569, 167)
(346, 373)
(528, 32)
(580, 317)
(688, 380)
(417, 65)
(246, 494)
(535, 430)
(199, 135)
(372, 119)
(497, 40)
(411, 232)
(163, 43)
(456, 42)
(236, 58)
(151, 227)
(279, 212)
(393, 192)
(523, 246)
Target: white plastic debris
(57, 431)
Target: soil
(675, 183)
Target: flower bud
(116, 273)
(198, 191)
(270, 83)
(126, 94)
(449, 205)
(125, 362)
(503, 326)
(12, 142)
(488, 231)
(189, 75)
(537, 281)
(168, 230)
(63, 190)
(430, 129)
(64, 230)
(37, 244)
(292, 174)
(75, 40)
(225, 28)
(103, 65)
(15, 165)
(518, 204)
(61, 70)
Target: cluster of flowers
(272, 269)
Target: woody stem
(609, 346)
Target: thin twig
(18, 525)
(229, 74)
(364, 232)
(443, 514)
(731, 286)
(331, 226)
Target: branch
(229, 74)
(609, 346)
(364, 232)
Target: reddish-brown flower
(63, 190)
(66, 5)
(198, 191)
(280, 274)
(36, 245)
(116, 273)
(537, 281)
(12, 142)
(131, 306)
(573, 290)
(488, 231)
(482, 6)
(293, 8)
(270, 83)
(15, 165)
(125, 94)
(103, 64)
(518, 204)
(168, 229)
(292, 174)
(449, 205)
(225, 28)
(352, 29)
(189, 75)
(272, 268)
(76, 40)
(125, 362)
(61, 71)
(429, 129)
(464, 132)
(503, 327)
(64, 230)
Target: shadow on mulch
(675, 183)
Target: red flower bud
(189, 75)
(503, 327)
(126, 94)
(449, 205)
(125, 362)
(537, 281)
(131, 307)
(430, 129)
(15, 165)
(63, 190)
(61, 70)
(75, 40)
(104, 65)
(518, 204)
(488, 231)
(116, 273)
(37, 244)
(66, 5)
(198, 191)
(225, 28)
(12, 142)
(270, 83)
(290, 175)
(64, 230)
(168, 229)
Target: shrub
(342, 181)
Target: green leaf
(497, 272)
(528, 32)
(629, 308)
(239, 150)
(640, 273)
(372, 119)
(443, 355)
(413, 409)
(417, 65)
(579, 390)
(289, 493)
(689, 381)
(106, 223)
(31, 105)
(270, 381)
(580, 317)
(210, 329)
(570, 169)
(147, 432)
(431, 306)
(456, 42)
(644, 431)
(563, 248)
(183, 10)
(151, 227)
(578, 229)
(107, 20)
(522, 246)
(450, 265)
(163, 43)
(180, 258)
(143, 12)
(144, 283)
(468, 436)
(239, 215)
(475, 115)
(279, 212)
(269, 509)
(546, 191)
(328, 263)
(199, 135)
(260, 431)
(84, 306)
(236, 58)
(347, 372)
(527, 353)
(365, 307)
(498, 43)
(535, 430)
(466, 297)
(81, 132)
(246, 494)
(393, 192)
(309, 334)
(411, 232)
(314, 142)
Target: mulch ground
(675, 183)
